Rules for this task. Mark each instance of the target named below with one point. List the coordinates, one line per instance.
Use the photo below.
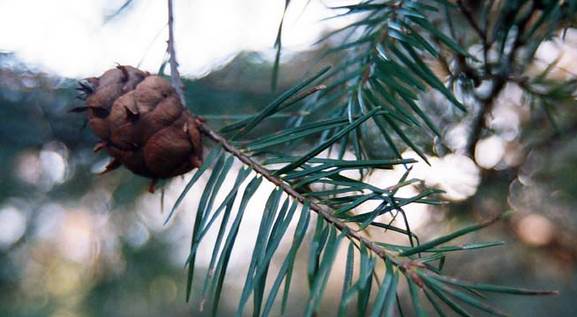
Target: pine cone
(141, 123)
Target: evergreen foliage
(385, 68)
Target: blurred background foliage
(76, 244)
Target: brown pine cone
(142, 123)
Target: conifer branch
(320, 210)
(325, 213)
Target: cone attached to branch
(141, 123)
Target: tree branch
(322, 211)
(499, 79)
(205, 129)
(478, 122)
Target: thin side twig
(174, 74)
(469, 16)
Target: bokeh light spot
(489, 152)
(12, 226)
(535, 230)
